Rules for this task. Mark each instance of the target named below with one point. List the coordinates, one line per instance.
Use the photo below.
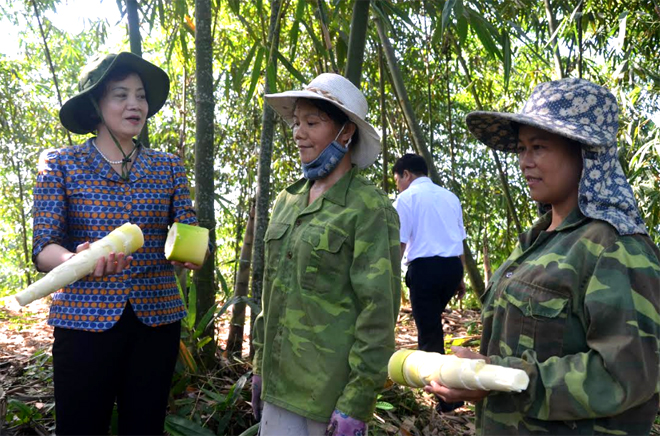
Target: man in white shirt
(432, 235)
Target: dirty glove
(343, 425)
(257, 404)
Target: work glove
(257, 404)
(343, 425)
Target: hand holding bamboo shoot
(125, 239)
(186, 243)
(418, 368)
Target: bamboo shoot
(125, 239)
(418, 368)
(187, 243)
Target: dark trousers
(432, 282)
(130, 364)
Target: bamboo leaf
(192, 303)
(459, 9)
(243, 67)
(252, 431)
(481, 28)
(204, 322)
(179, 426)
(295, 27)
(189, 24)
(161, 12)
(506, 45)
(462, 29)
(223, 284)
(398, 12)
(290, 68)
(320, 48)
(446, 15)
(272, 77)
(256, 73)
(203, 342)
(184, 45)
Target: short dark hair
(333, 112)
(414, 163)
(116, 75)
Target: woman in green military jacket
(576, 305)
(332, 277)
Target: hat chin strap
(126, 159)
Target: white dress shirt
(431, 221)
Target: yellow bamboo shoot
(187, 243)
(418, 368)
(125, 239)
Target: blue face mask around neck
(327, 160)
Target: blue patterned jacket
(78, 197)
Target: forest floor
(26, 392)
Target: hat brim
(76, 114)
(495, 129)
(364, 153)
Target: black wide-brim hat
(78, 113)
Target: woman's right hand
(452, 395)
(257, 403)
(115, 263)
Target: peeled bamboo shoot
(125, 239)
(418, 368)
(187, 243)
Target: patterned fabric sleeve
(50, 204)
(620, 371)
(182, 209)
(376, 279)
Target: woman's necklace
(114, 162)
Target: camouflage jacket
(331, 295)
(577, 309)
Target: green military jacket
(331, 294)
(577, 309)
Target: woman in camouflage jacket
(576, 304)
(332, 278)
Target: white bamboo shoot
(418, 368)
(125, 239)
(186, 243)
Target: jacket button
(298, 223)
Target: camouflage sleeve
(376, 279)
(257, 341)
(621, 306)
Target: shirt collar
(420, 180)
(573, 220)
(140, 168)
(337, 192)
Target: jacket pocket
(322, 257)
(541, 314)
(274, 240)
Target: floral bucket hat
(78, 113)
(584, 112)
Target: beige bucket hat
(349, 99)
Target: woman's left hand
(451, 395)
(343, 425)
(188, 265)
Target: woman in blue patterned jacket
(116, 330)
